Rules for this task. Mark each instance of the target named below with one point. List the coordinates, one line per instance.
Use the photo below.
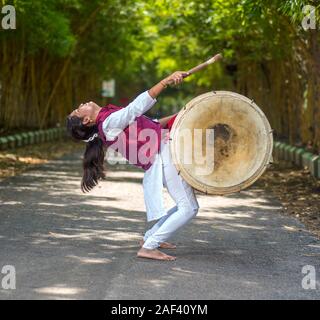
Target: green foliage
(78, 43)
(128, 38)
(41, 25)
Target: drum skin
(230, 148)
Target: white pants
(183, 195)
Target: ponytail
(92, 164)
(93, 157)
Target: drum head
(221, 142)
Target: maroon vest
(138, 143)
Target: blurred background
(62, 51)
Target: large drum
(221, 142)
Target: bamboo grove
(63, 49)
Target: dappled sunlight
(236, 252)
(110, 247)
(209, 214)
(227, 223)
(93, 234)
(10, 203)
(235, 213)
(60, 290)
(41, 240)
(291, 228)
(187, 272)
(80, 235)
(239, 225)
(123, 218)
(51, 204)
(124, 236)
(201, 241)
(178, 269)
(224, 228)
(252, 284)
(88, 260)
(229, 201)
(317, 246)
(52, 228)
(99, 203)
(23, 188)
(157, 283)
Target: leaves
(75, 44)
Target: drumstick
(201, 66)
(204, 64)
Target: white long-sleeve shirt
(113, 125)
(117, 121)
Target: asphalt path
(67, 245)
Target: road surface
(66, 245)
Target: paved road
(65, 245)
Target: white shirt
(113, 125)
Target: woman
(126, 130)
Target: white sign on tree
(108, 88)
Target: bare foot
(154, 254)
(163, 245)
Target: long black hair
(93, 157)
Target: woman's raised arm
(119, 120)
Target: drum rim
(222, 190)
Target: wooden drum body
(221, 142)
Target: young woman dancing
(126, 130)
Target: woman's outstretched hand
(175, 78)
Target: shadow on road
(67, 245)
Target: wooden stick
(204, 64)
